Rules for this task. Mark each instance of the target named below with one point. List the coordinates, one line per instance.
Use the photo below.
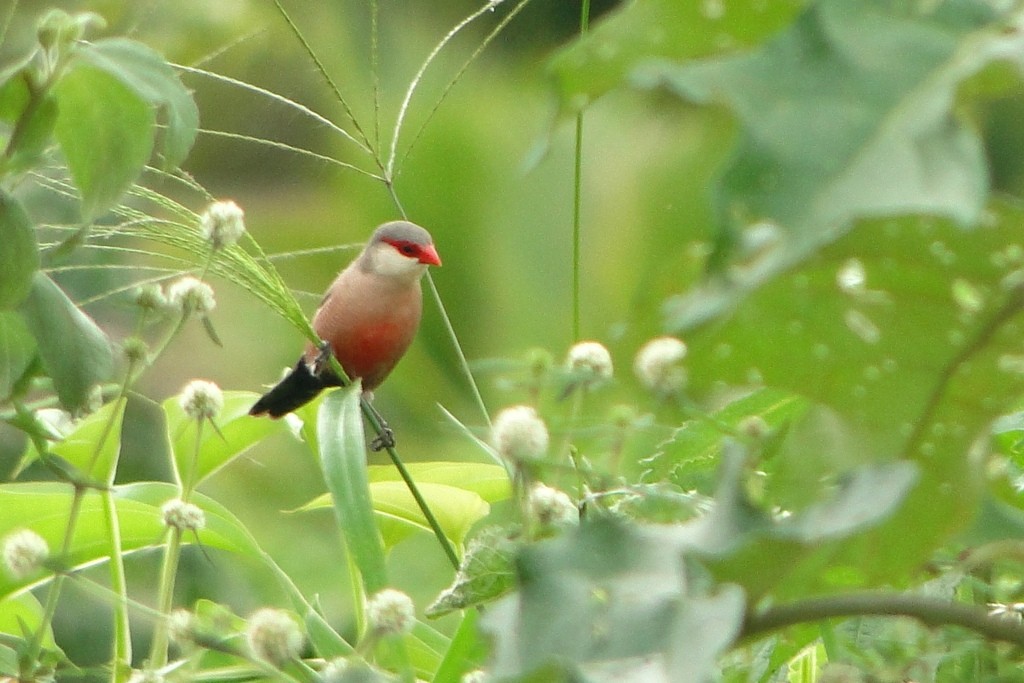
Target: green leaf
(235, 433)
(106, 131)
(18, 612)
(646, 29)
(488, 481)
(608, 599)
(44, 507)
(467, 651)
(487, 571)
(147, 73)
(849, 113)
(17, 351)
(457, 493)
(32, 117)
(19, 259)
(94, 443)
(909, 332)
(343, 459)
(690, 456)
(74, 350)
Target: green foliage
(822, 482)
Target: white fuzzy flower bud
(184, 516)
(390, 612)
(24, 553)
(591, 358)
(335, 670)
(190, 296)
(657, 365)
(519, 434)
(150, 297)
(474, 676)
(222, 224)
(551, 508)
(273, 636)
(201, 400)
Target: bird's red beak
(428, 255)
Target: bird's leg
(323, 358)
(386, 438)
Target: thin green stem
(463, 361)
(435, 526)
(165, 600)
(577, 200)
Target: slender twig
(929, 611)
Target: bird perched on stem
(367, 318)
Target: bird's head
(400, 249)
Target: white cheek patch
(391, 263)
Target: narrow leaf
(17, 350)
(74, 350)
(19, 257)
(343, 458)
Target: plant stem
(165, 600)
(410, 483)
(929, 611)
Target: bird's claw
(323, 358)
(386, 439)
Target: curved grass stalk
(458, 75)
(415, 82)
(290, 148)
(365, 146)
(301, 108)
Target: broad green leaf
(645, 29)
(32, 117)
(17, 350)
(44, 508)
(455, 509)
(909, 330)
(851, 112)
(689, 458)
(488, 481)
(234, 434)
(21, 611)
(487, 571)
(19, 258)
(74, 350)
(608, 599)
(152, 78)
(106, 130)
(93, 445)
(457, 493)
(343, 458)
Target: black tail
(297, 389)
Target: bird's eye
(408, 249)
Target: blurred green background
(491, 176)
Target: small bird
(367, 319)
